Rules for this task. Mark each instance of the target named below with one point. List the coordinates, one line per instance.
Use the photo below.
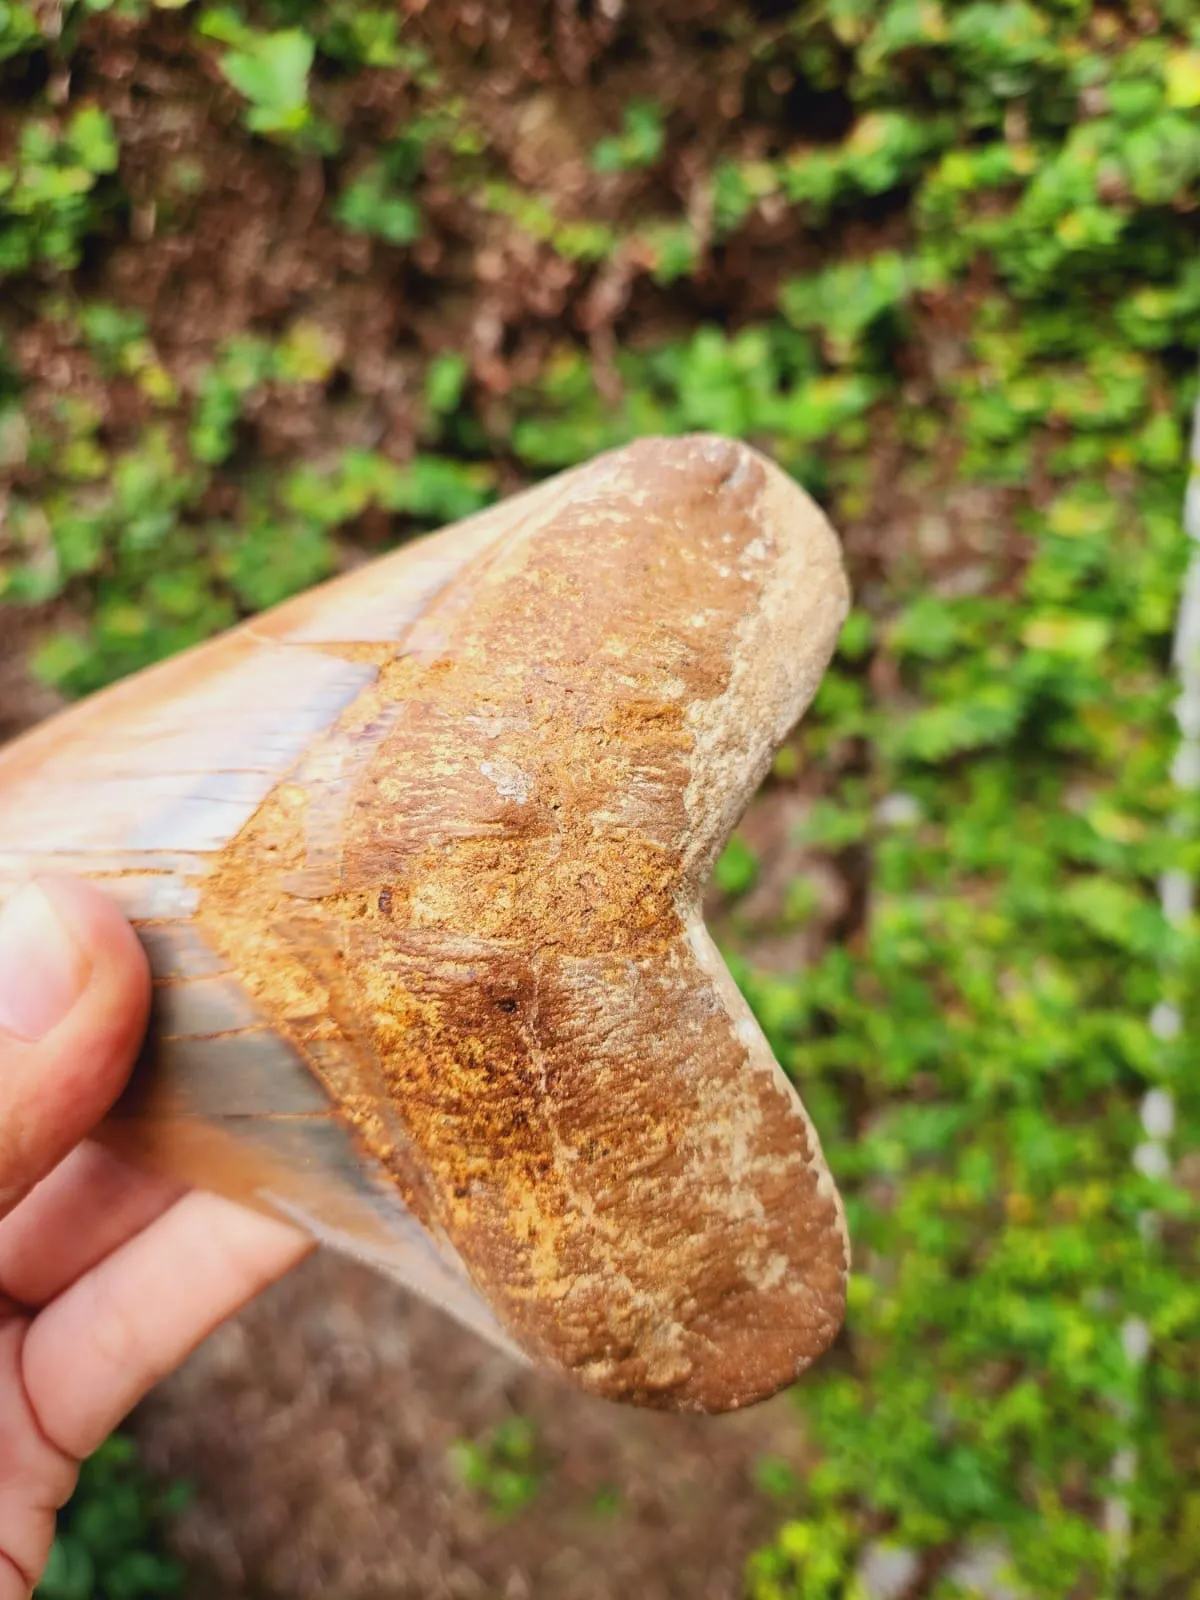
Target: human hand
(108, 1278)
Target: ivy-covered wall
(282, 284)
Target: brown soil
(23, 701)
(317, 1428)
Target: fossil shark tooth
(417, 859)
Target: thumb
(74, 997)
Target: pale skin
(108, 1278)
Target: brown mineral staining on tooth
(597, 1122)
(473, 909)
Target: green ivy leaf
(1060, 634)
(271, 71)
(1182, 74)
(91, 135)
(736, 868)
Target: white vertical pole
(1152, 1156)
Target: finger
(35, 1478)
(89, 1205)
(74, 996)
(95, 1351)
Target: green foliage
(808, 1561)
(444, 383)
(776, 1478)
(111, 1539)
(380, 199)
(19, 29)
(736, 868)
(503, 1467)
(884, 149)
(844, 301)
(371, 205)
(358, 36)
(132, 522)
(50, 198)
(270, 70)
(574, 241)
(639, 144)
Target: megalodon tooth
(417, 858)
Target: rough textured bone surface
(418, 860)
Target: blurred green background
(284, 283)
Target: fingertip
(75, 987)
(117, 994)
